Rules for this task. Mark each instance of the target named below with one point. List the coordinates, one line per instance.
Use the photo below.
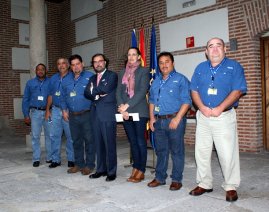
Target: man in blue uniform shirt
(169, 102)
(58, 124)
(216, 86)
(76, 110)
(34, 107)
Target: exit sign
(190, 42)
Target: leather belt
(79, 112)
(228, 109)
(168, 116)
(38, 108)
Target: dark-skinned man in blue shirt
(169, 102)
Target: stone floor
(24, 188)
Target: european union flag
(154, 71)
(134, 42)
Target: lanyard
(214, 70)
(41, 84)
(60, 83)
(162, 82)
(76, 82)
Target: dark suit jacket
(138, 103)
(105, 107)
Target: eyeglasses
(98, 62)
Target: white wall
(185, 64)
(20, 9)
(86, 29)
(88, 50)
(80, 8)
(175, 7)
(20, 59)
(203, 27)
(24, 34)
(17, 102)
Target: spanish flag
(142, 46)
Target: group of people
(83, 106)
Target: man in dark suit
(102, 91)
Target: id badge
(40, 98)
(73, 93)
(57, 93)
(212, 91)
(157, 109)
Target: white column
(38, 53)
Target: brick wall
(248, 19)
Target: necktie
(99, 76)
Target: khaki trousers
(222, 131)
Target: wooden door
(265, 84)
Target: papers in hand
(132, 116)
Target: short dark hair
(75, 56)
(41, 64)
(102, 55)
(167, 54)
(137, 50)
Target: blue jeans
(37, 121)
(135, 131)
(83, 142)
(167, 140)
(57, 126)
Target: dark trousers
(82, 136)
(105, 139)
(169, 141)
(135, 131)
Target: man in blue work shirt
(169, 102)
(76, 110)
(216, 86)
(34, 107)
(58, 124)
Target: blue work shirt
(73, 97)
(55, 87)
(169, 95)
(35, 94)
(228, 76)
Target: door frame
(264, 42)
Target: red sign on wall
(190, 42)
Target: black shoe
(71, 164)
(48, 161)
(111, 177)
(97, 175)
(54, 164)
(36, 164)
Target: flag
(134, 42)
(154, 71)
(142, 46)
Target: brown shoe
(73, 170)
(175, 186)
(231, 196)
(199, 191)
(86, 171)
(155, 183)
(139, 176)
(134, 171)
